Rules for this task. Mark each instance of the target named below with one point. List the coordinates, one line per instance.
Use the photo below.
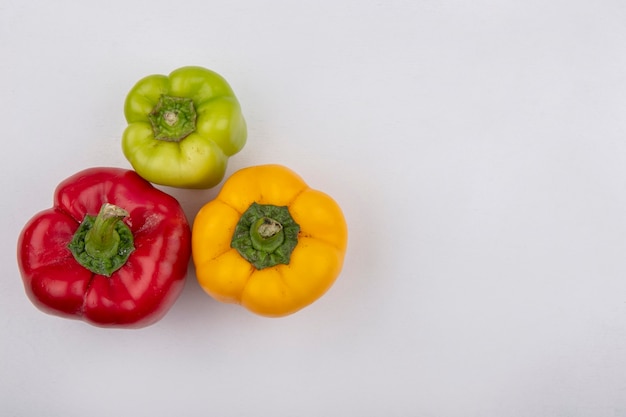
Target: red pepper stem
(102, 240)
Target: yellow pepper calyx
(266, 235)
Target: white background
(478, 151)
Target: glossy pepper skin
(182, 128)
(234, 246)
(148, 282)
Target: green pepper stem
(170, 117)
(173, 118)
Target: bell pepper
(112, 251)
(268, 242)
(182, 128)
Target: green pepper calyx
(266, 235)
(173, 118)
(104, 242)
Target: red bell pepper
(112, 251)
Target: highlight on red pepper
(183, 127)
(112, 251)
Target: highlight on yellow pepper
(269, 242)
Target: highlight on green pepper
(182, 128)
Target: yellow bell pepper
(268, 242)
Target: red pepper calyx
(104, 242)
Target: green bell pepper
(182, 128)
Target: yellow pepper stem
(266, 235)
